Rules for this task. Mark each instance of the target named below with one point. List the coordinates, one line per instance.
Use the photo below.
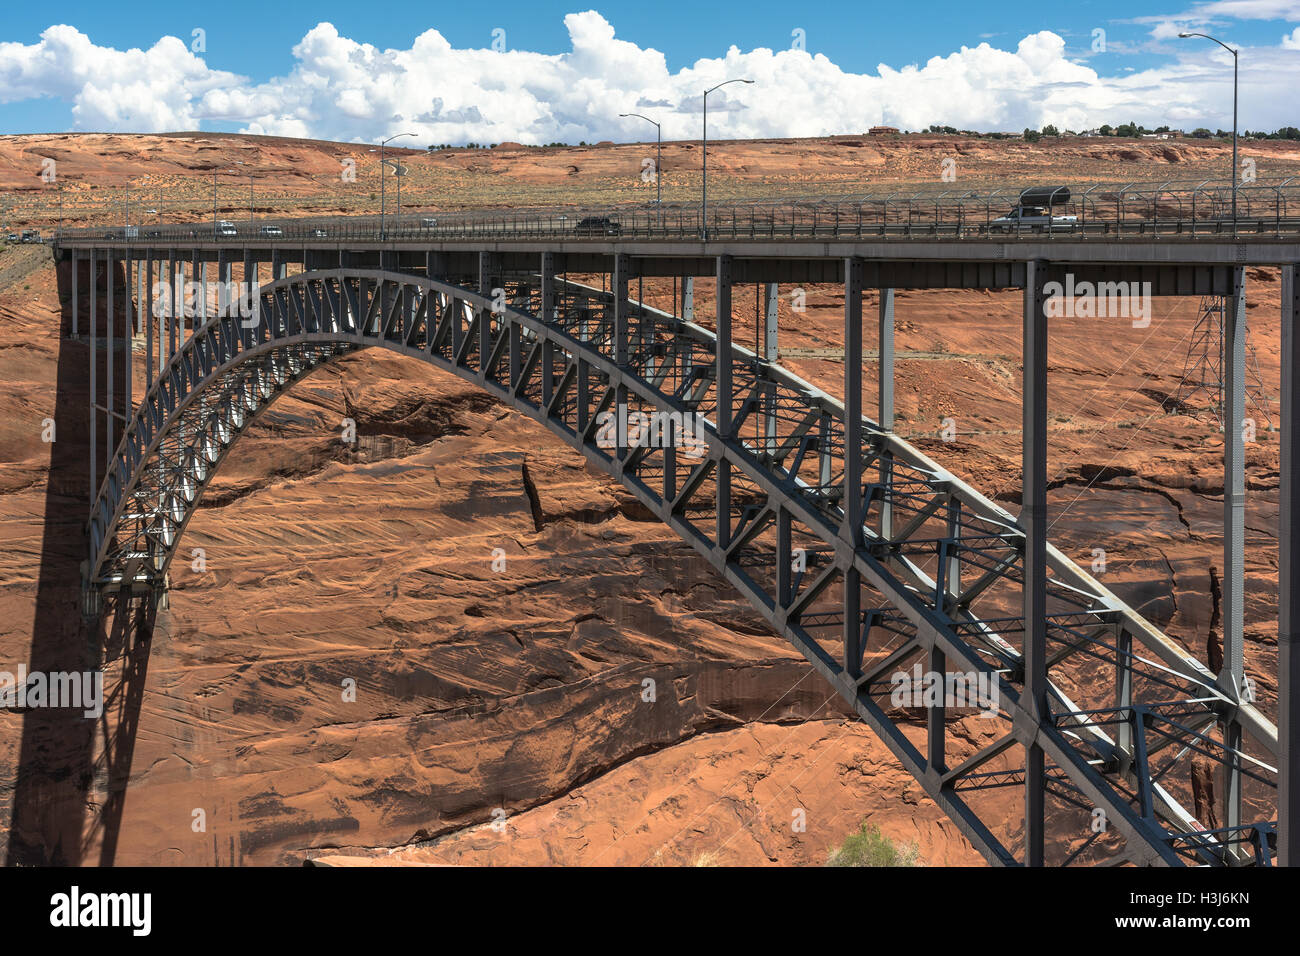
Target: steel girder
(938, 567)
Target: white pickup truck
(1032, 219)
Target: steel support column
(851, 531)
(132, 318)
(148, 320)
(224, 301)
(110, 363)
(1232, 674)
(1033, 520)
(251, 281)
(618, 286)
(885, 409)
(771, 354)
(618, 283)
(140, 314)
(1288, 574)
(94, 380)
(936, 718)
(76, 301)
(885, 404)
(722, 382)
(688, 298)
(184, 273)
(548, 315)
(170, 314)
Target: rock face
(174, 172)
(452, 643)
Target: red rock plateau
(499, 714)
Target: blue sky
(563, 75)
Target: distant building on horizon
(882, 130)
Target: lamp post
(704, 159)
(659, 142)
(382, 144)
(399, 172)
(1206, 36)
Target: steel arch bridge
(916, 572)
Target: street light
(382, 144)
(704, 159)
(1206, 36)
(659, 141)
(399, 172)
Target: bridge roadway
(869, 557)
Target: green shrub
(870, 847)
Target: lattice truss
(931, 582)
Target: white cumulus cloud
(346, 89)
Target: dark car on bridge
(597, 226)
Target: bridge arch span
(927, 579)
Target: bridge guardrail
(1191, 210)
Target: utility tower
(1203, 375)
